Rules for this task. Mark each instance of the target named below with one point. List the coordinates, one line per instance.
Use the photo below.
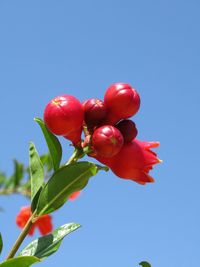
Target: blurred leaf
(18, 173)
(2, 179)
(145, 264)
(25, 189)
(10, 183)
(55, 148)
(20, 262)
(64, 182)
(45, 246)
(36, 174)
(46, 161)
(14, 180)
(1, 243)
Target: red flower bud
(95, 111)
(63, 114)
(134, 161)
(107, 141)
(127, 129)
(43, 223)
(122, 102)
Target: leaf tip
(31, 143)
(104, 168)
(36, 119)
(144, 264)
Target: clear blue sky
(49, 48)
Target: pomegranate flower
(43, 223)
(134, 161)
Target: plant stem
(16, 190)
(21, 237)
(75, 156)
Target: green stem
(16, 190)
(75, 156)
(21, 237)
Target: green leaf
(14, 180)
(55, 148)
(145, 264)
(64, 182)
(19, 172)
(20, 262)
(2, 179)
(47, 162)
(1, 243)
(36, 173)
(47, 245)
(9, 183)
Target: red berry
(63, 114)
(94, 111)
(122, 102)
(127, 129)
(107, 141)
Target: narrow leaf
(10, 183)
(47, 245)
(18, 173)
(14, 181)
(64, 182)
(47, 162)
(2, 179)
(55, 148)
(1, 243)
(145, 264)
(36, 174)
(20, 262)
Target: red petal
(44, 224)
(74, 195)
(23, 216)
(31, 231)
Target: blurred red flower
(43, 223)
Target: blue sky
(48, 48)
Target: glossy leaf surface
(20, 262)
(47, 245)
(68, 179)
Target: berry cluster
(109, 133)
